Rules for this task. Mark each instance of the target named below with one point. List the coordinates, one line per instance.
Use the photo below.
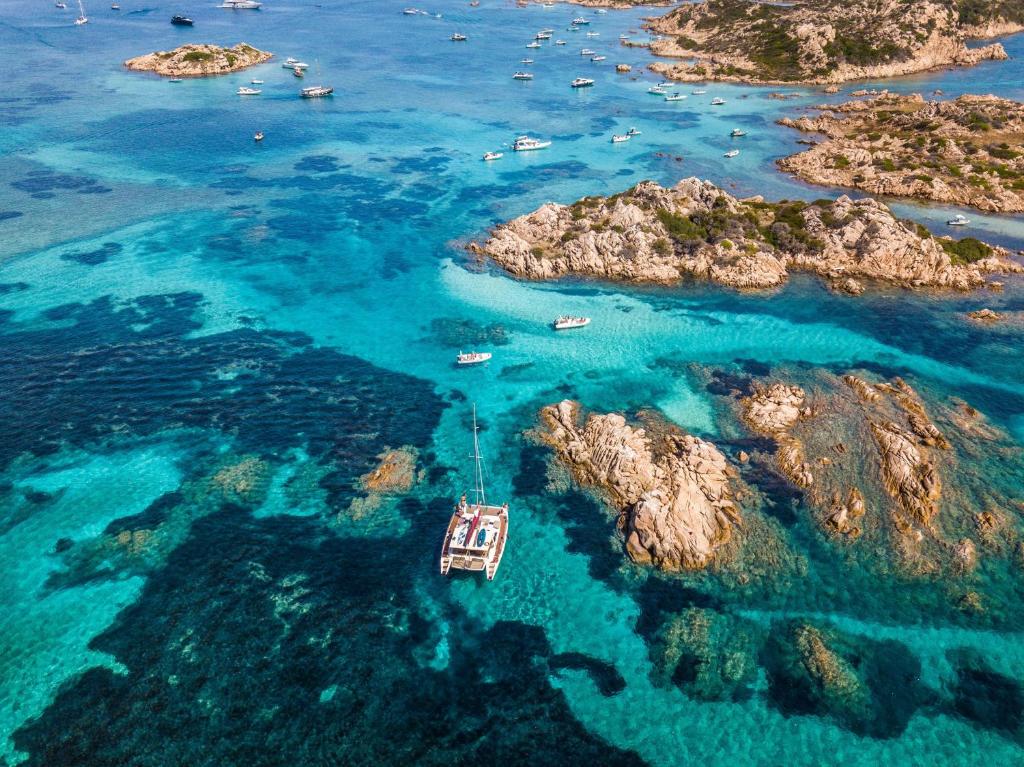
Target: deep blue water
(205, 342)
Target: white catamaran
(476, 534)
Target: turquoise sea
(204, 342)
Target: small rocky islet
(966, 150)
(694, 230)
(199, 60)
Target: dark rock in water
(607, 678)
(62, 545)
(985, 697)
(12, 287)
(318, 163)
(94, 257)
(7, 215)
(868, 687)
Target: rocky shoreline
(202, 60)
(819, 42)
(966, 151)
(696, 231)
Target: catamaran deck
(475, 539)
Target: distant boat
(258, 136)
(736, 133)
(582, 82)
(458, 37)
(316, 91)
(115, 7)
(717, 102)
(522, 76)
(587, 52)
(621, 139)
(82, 18)
(632, 132)
(290, 63)
(568, 323)
(476, 534)
(241, 5)
(175, 80)
(534, 44)
(542, 36)
(958, 220)
(601, 11)
(488, 156)
(731, 153)
(527, 144)
(410, 11)
(593, 34)
(256, 82)
(61, 5)
(526, 61)
(580, 20)
(675, 97)
(472, 358)
(181, 21)
(559, 42)
(656, 90)
(243, 91)
(598, 58)
(698, 92)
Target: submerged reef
(650, 234)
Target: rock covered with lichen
(199, 60)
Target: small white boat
(656, 90)
(623, 37)
(411, 11)
(256, 82)
(717, 102)
(601, 11)
(731, 153)
(580, 20)
(675, 97)
(527, 144)
(488, 156)
(240, 5)
(568, 323)
(458, 37)
(115, 7)
(958, 220)
(620, 138)
(593, 34)
(175, 80)
(666, 84)
(632, 132)
(294, 64)
(258, 136)
(736, 133)
(534, 44)
(698, 92)
(598, 58)
(582, 82)
(61, 5)
(472, 358)
(559, 42)
(542, 36)
(587, 52)
(526, 61)
(243, 91)
(317, 91)
(522, 76)
(82, 18)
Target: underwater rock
(674, 492)
(986, 697)
(773, 408)
(985, 316)
(395, 474)
(909, 476)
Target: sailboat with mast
(82, 18)
(477, 532)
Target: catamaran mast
(481, 499)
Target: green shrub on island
(966, 251)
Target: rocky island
(966, 151)
(200, 60)
(650, 234)
(820, 41)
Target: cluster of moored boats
(563, 322)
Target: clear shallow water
(177, 301)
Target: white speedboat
(666, 84)
(61, 5)
(601, 11)
(522, 76)
(175, 80)
(736, 133)
(593, 34)
(317, 91)
(256, 82)
(657, 91)
(598, 58)
(528, 144)
(620, 138)
(580, 21)
(526, 61)
(675, 97)
(542, 36)
(717, 102)
(258, 136)
(582, 82)
(411, 11)
(243, 91)
(488, 156)
(623, 37)
(534, 44)
(698, 92)
(241, 5)
(632, 132)
(115, 7)
(477, 532)
(472, 358)
(458, 37)
(731, 153)
(958, 220)
(294, 64)
(559, 42)
(566, 322)
(587, 52)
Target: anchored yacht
(620, 138)
(241, 5)
(472, 358)
(566, 322)
(582, 82)
(527, 144)
(317, 91)
(477, 532)
(717, 102)
(736, 133)
(675, 97)
(522, 76)
(493, 156)
(244, 91)
(458, 37)
(958, 220)
(731, 153)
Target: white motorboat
(559, 42)
(534, 44)
(717, 102)
(256, 82)
(291, 63)
(61, 5)
(675, 97)
(176, 80)
(593, 34)
(566, 322)
(666, 84)
(698, 92)
(243, 91)
(598, 58)
(241, 5)
(458, 37)
(657, 91)
(582, 82)
(731, 153)
(601, 11)
(522, 76)
(620, 138)
(115, 7)
(477, 532)
(623, 37)
(258, 136)
(587, 52)
(542, 36)
(528, 144)
(526, 61)
(317, 91)
(411, 11)
(632, 132)
(580, 21)
(958, 220)
(488, 156)
(736, 133)
(82, 18)
(472, 358)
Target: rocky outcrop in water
(674, 491)
(200, 60)
(819, 41)
(697, 231)
(966, 151)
